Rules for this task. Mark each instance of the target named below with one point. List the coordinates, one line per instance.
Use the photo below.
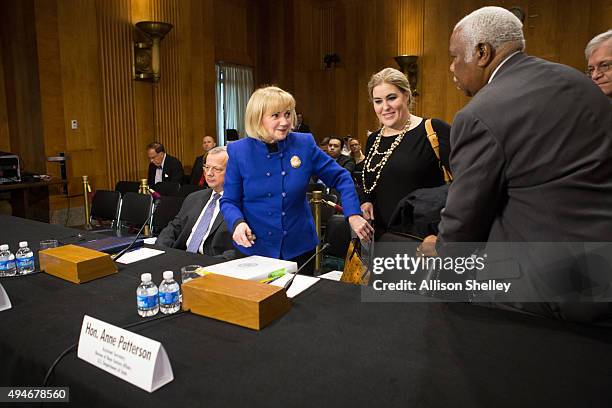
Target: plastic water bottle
(7, 261)
(147, 297)
(25, 259)
(169, 294)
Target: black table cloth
(331, 349)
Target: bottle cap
(145, 277)
(3, 247)
(168, 275)
(23, 244)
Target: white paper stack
(255, 268)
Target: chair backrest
(187, 189)
(127, 186)
(317, 187)
(104, 205)
(167, 188)
(165, 210)
(338, 235)
(135, 209)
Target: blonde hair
(266, 99)
(390, 76)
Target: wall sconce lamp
(331, 59)
(146, 54)
(408, 65)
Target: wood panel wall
(5, 141)
(368, 34)
(72, 59)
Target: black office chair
(231, 135)
(338, 235)
(165, 210)
(167, 188)
(317, 187)
(127, 187)
(135, 210)
(187, 189)
(104, 206)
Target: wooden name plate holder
(76, 264)
(242, 302)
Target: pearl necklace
(386, 154)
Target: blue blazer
(269, 193)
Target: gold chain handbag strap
(432, 136)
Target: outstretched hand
(361, 227)
(243, 235)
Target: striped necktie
(198, 234)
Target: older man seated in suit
(598, 53)
(163, 167)
(199, 226)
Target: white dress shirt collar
(502, 63)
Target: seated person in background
(334, 149)
(598, 53)
(300, 126)
(198, 177)
(323, 144)
(199, 227)
(356, 153)
(163, 167)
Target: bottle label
(23, 263)
(146, 302)
(169, 298)
(4, 266)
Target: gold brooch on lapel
(295, 162)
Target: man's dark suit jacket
(303, 128)
(531, 156)
(197, 171)
(347, 162)
(177, 232)
(172, 171)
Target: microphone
(120, 254)
(290, 281)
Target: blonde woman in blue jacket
(264, 199)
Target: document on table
(300, 283)
(332, 275)
(150, 241)
(139, 255)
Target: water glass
(48, 243)
(189, 272)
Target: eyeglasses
(214, 169)
(602, 68)
(155, 156)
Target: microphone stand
(120, 254)
(290, 281)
